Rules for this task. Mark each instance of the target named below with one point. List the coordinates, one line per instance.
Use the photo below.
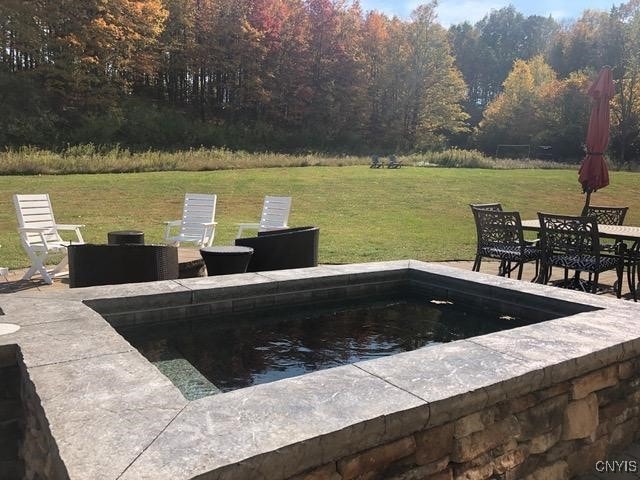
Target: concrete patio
(607, 279)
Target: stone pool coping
(113, 415)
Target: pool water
(206, 356)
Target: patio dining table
(615, 232)
(623, 233)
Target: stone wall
(11, 416)
(554, 433)
(27, 449)
(38, 450)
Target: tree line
(294, 75)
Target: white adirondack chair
(39, 234)
(197, 224)
(275, 215)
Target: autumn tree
(73, 59)
(589, 43)
(626, 103)
(375, 37)
(439, 89)
(177, 40)
(307, 74)
(513, 117)
(283, 28)
(485, 52)
(564, 113)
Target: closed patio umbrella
(593, 173)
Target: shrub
(458, 158)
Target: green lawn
(363, 214)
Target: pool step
(185, 376)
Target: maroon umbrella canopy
(593, 173)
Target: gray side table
(226, 260)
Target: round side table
(125, 237)
(226, 260)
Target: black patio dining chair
(500, 236)
(632, 264)
(486, 206)
(572, 243)
(607, 215)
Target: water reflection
(244, 351)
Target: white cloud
(451, 12)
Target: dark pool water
(203, 357)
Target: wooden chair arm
(75, 228)
(41, 231)
(68, 226)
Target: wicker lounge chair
(91, 265)
(282, 249)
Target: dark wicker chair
(500, 236)
(282, 249)
(572, 243)
(91, 265)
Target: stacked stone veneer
(551, 434)
(11, 416)
(38, 449)
(27, 449)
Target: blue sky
(457, 11)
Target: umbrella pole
(587, 200)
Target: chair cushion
(585, 263)
(511, 252)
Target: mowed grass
(363, 214)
